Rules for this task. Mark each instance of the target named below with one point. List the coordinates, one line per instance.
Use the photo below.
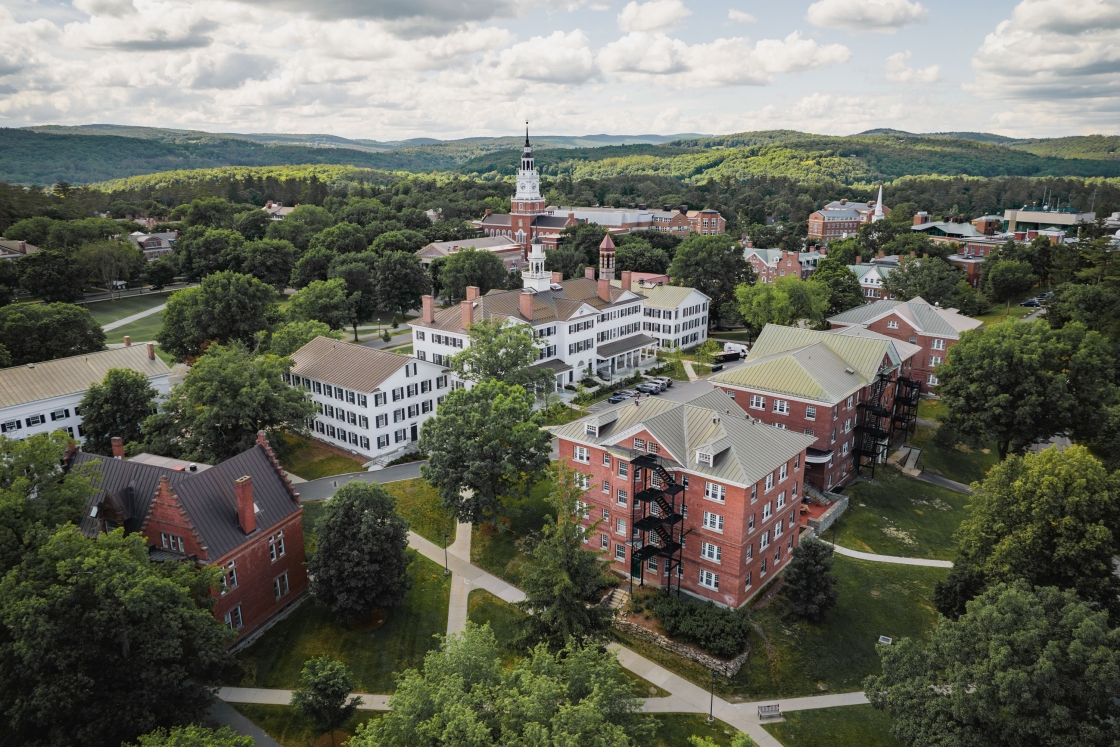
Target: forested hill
(82, 155)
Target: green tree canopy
(342, 238)
(53, 275)
(314, 217)
(1022, 667)
(202, 251)
(322, 300)
(211, 212)
(361, 559)
(639, 256)
(501, 352)
(227, 397)
(786, 301)
(116, 406)
(194, 736)
(297, 233)
(563, 580)
(160, 272)
(1095, 306)
(34, 333)
(358, 272)
(292, 336)
(225, 307)
(111, 261)
(83, 618)
(584, 240)
(568, 260)
(1052, 519)
(399, 241)
(464, 696)
(1008, 281)
(933, 279)
(810, 585)
(469, 266)
(324, 694)
(485, 440)
(713, 265)
(844, 291)
(662, 240)
(400, 281)
(269, 260)
(252, 224)
(313, 265)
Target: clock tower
(527, 203)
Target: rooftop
(918, 313)
(346, 365)
(57, 378)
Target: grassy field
(276, 659)
(674, 729)
(307, 458)
(312, 510)
(497, 552)
(797, 658)
(419, 503)
(850, 726)
(483, 607)
(900, 516)
(961, 463)
(107, 312)
(932, 409)
(142, 330)
(287, 725)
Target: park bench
(772, 710)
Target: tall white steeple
(536, 278)
(528, 180)
(878, 214)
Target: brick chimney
(151, 351)
(859, 260)
(526, 304)
(557, 277)
(127, 341)
(467, 310)
(118, 447)
(881, 254)
(605, 289)
(472, 292)
(428, 310)
(913, 254)
(246, 512)
(589, 273)
(627, 280)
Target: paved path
(263, 696)
(876, 558)
(688, 370)
(460, 584)
(944, 482)
(223, 714)
(324, 487)
(133, 318)
(394, 341)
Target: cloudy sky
(390, 69)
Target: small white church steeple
(536, 278)
(878, 214)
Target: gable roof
(664, 296)
(346, 365)
(744, 450)
(57, 378)
(207, 496)
(918, 313)
(485, 243)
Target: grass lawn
(933, 409)
(741, 336)
(839, 653)
(900, 516)
(276, 659)
(850, 726)
(674, 729)
(403, 350)
(311, 460)
(312, 510)
(287, 725)
(106, 312)
(419, 503)
(142, 330)
(497, 552)
(961, 463)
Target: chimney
(627, 280)
(246, 512)
(557, 277)
(605, 289)
(913, 254)
(589, 273)
(881, 254)
(428, 311)
(467, 309)
(472, 292)
(488, 211)
(684, 209)
(526, 304)
(127, 341)
(151, 350)
(859, 260)
(118, 447)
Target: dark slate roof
(496, 219)
(208, 497)
(550, 221)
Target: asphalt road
(680, 391)
(323, 488)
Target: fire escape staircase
(873, 433)
(907, 393)
(659, 524)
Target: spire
(878, 214)
(526, 133)
(606, 258)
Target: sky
(395, 69)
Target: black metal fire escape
(658, 520)
(907, 393)
(873, 433)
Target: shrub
(720, 632)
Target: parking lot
(681, 391)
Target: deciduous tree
(400, 281)
(53, 275)
(294, 335)
(361, 560)
(844, 291)
(324, 694)
(713, 265)
(313, 265)
(269, 260)
(786, 301)
(226, 307)
(34, 333)
(160, 272)
(341, 238)
(1008, 280)
(322, 300)
(502, 352)
(935, 280)
(194, 736)
(116, 406)
(110, 262)
(810, 586)
(399, 241)
(252, 224)
(469, 266)
(638, 256)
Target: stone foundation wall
(825, 520)
(726, 668)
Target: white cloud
(897, 71)
(740, 17)
(656, 15)
(558, 58)
(410, 18)
(722, 62)
(887, 16)
(105, 7)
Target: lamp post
(712, 700)
(446, 569)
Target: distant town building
(505, 249)
(154, 245)
(1027, 219)
(873, 274)
(843, 218)
(771, 264)
(14, 249)
(47, 396)
(276, 210)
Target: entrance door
(414, 432)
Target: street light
(446, 570)
(712, 700)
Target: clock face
(521, 186)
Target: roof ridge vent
(848, 370)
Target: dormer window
(591, 429)
(704, 458)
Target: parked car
(665, 381)
(626, 393)
(614, 399)
(1032, 302)
(648, 388)
(735, 347)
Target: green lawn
(106, 312)
(839, 653)
(932, 409)
(741, 336)
(419, 503)
(900, 516)
(674, 729)
(498, 553)
(276, 659)
(309, 459)
(287, 725)
(483, 607)
(850, 726)
(312, 511)
(142, 330)
(961, 463)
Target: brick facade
(934, 347)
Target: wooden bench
(769, 711)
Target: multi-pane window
(280, 586)
(622, 497)
(604, 542)
(778, 529)
(750, 551)
(583, 481)
(938, 344)
(233, 618)
(766, 512)
(620, 552)
(770, 481)
(781, 407)
(748, 581)
(709, 580)
(382, 441)
(765, 541)
(754, 493)
(231, 576)
(783, 471)
(623, 469)
(750, 523)
(607, 487)
(758, 402)
(715, 492)
(172, 542)
(935, 360)
(639, 444)
(782, 499)
(382, 421)
(620, 526)
(892, 324)
(711, 552)
(581, 454)
(713, 521)
(810, 412)
(606, 459)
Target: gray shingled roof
(921, 315)
(624, 345)
(346, 365)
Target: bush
(721, 632)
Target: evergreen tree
(810, 585)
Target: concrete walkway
(262, 696)
(944, 482)
(135, 317)
(460, 584)
(875, 558)
(324, 487)
(222, 713)
(689, 370)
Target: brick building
(771, 264)
(832, 386)
(690, 493)
(931, 328)
(842, 218)
(504, 249)
(241, 516)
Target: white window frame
(713, 522)
(715, 492)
